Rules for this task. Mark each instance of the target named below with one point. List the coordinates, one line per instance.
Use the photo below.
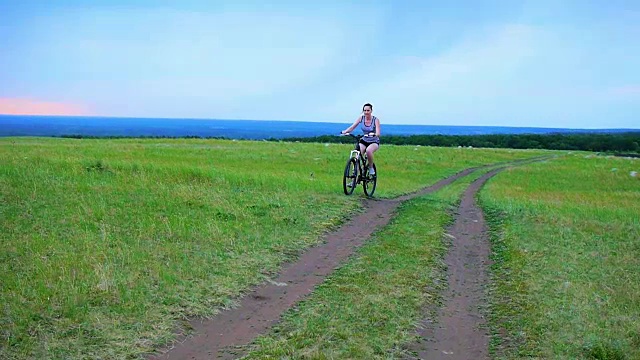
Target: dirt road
(460, 333)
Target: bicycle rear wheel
(350, 177)
(369, 182)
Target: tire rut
(460, 331)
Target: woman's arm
(377, 127)
(353, 126)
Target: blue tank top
(369, 129)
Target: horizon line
(298, 121)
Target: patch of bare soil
(461, 330)
(223, 336)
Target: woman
(370, 142)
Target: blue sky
(541, 63)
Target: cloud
(22, 106)
(181, 63)
(626, 91)
(454, 83)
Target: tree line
(623, 143)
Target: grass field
(567, 265)
(109, 244)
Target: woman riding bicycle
(370, 142)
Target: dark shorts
(368, 141)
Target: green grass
(566, 238)
(109, 244)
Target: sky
(542, 63)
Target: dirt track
(459, 335)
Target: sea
(57, 126)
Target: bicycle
(357, 171)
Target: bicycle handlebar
(357, 136)
(350, 134)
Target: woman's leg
(370, 150)
(363, 148)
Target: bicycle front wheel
(370, 181)
(350, 177)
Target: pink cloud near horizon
(23, 106)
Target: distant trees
(597, 142)
(80, 136)
(627, 143)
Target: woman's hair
(367, 104)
